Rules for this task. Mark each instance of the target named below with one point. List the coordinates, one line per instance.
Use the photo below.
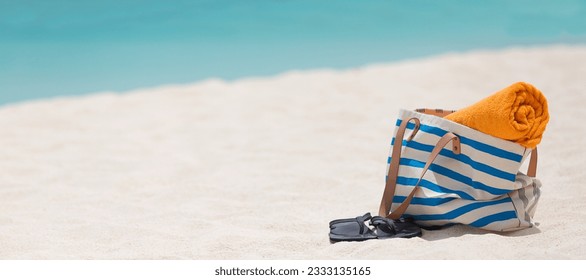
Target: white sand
(258, 167)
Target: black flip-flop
(351, 229)
(356, 230)
(401, 228)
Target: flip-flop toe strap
(384, 224)
(361, 220)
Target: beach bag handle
(389, 191)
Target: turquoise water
(52, 48)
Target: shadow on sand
(460, 230)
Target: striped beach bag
(442, 173)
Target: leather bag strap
(436, 112)
(447, 138)
(391, 183)
(532, 169)
(389, 191)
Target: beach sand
(256, 168)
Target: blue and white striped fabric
(481, 186)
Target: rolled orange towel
(517, 113)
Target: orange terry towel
(517, 113)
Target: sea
(53, 48)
